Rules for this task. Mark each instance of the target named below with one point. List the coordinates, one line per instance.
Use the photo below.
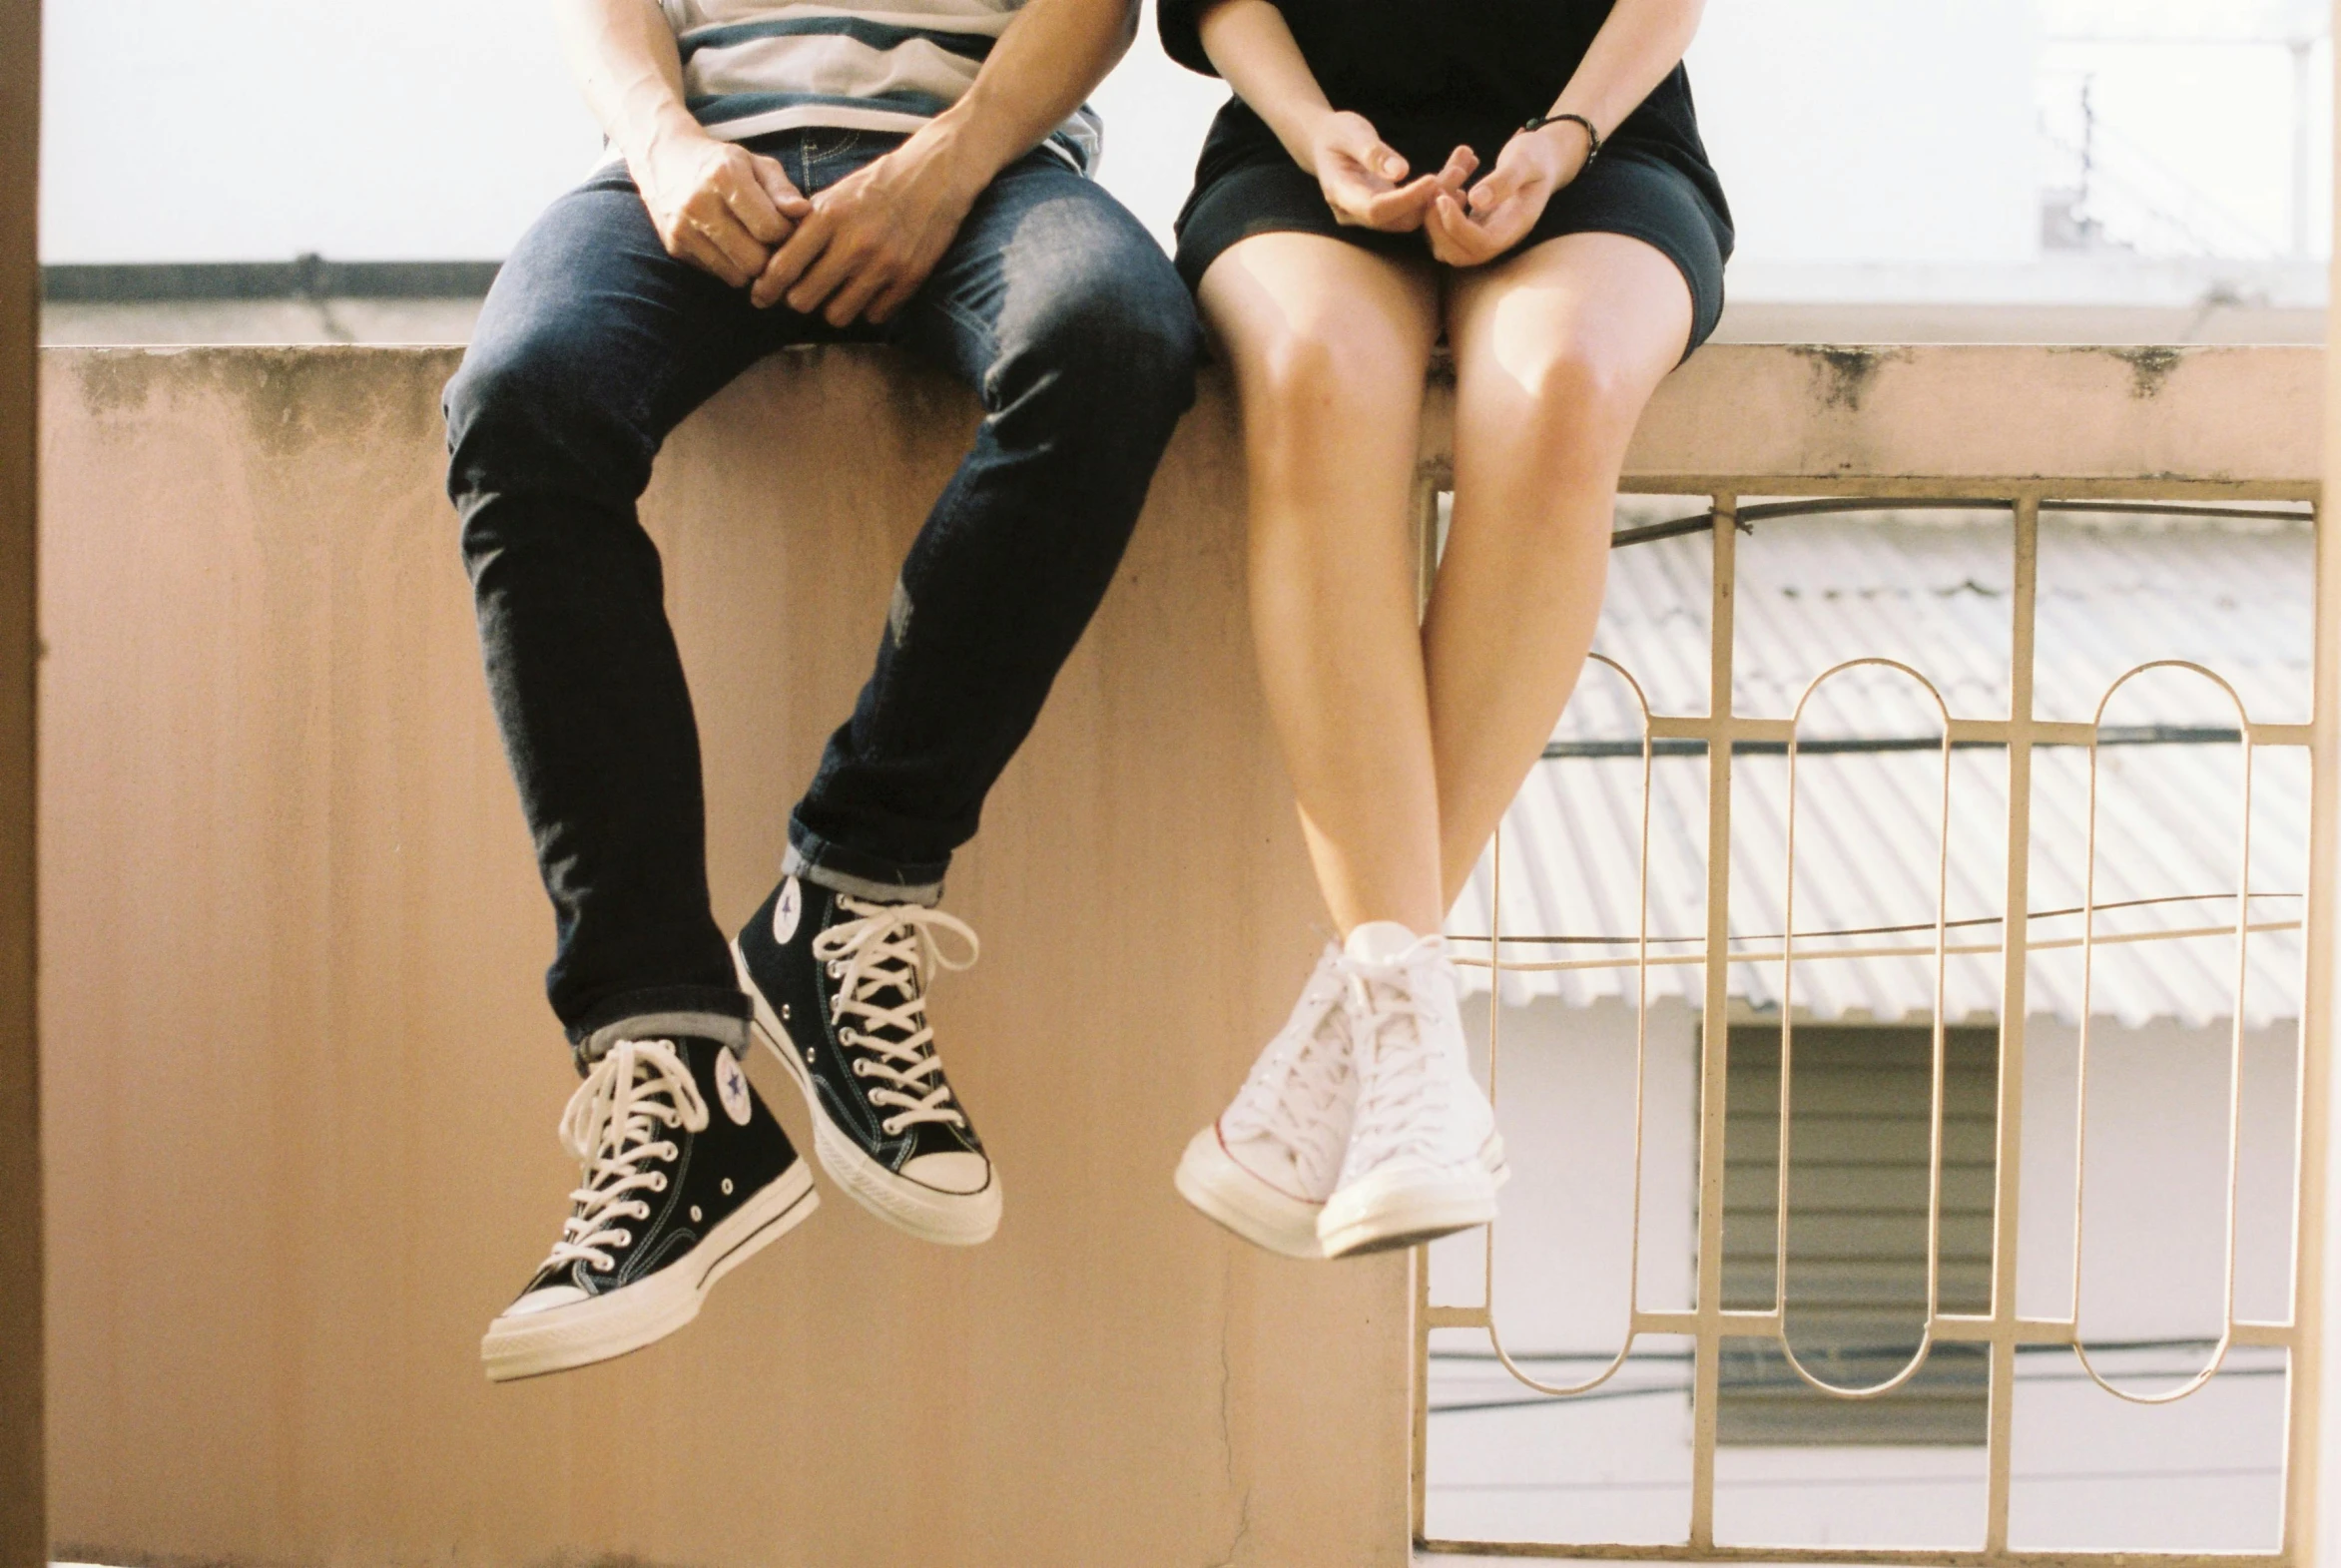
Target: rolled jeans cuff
(706, 1011)
(850, 871)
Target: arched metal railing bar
(2089, 946)
(1642, 1074)
(1718, 948)
(1786, 1030)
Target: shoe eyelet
(658, 1181)
(860, 1068)
(695, 1213)
(889, 1127)
(622, 1238)
(727, 1187)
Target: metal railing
(2002, 1331)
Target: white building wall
(2093, 1471)
(1848, 131)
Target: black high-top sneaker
(839, 987)
(686, 1177)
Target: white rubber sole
(1230, 1196)
(605, 1327)
(1392, 1208)
(951, 1219)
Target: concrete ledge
(1823, 412)
(300, 1087)
(1989, 412)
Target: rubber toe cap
(956, 1172)
(544, 1301)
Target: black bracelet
(1592, 137)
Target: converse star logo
(788, 911)
(732, 1087)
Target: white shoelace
(1295, 1091)
(893, 947)
(619, 1117)
(1407, 1079)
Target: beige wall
(22, 1529)
(304, 1086)
(301, 1087)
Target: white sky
(1846, 130)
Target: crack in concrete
(1235, 1545)
(1227, 1378)
(1227, 1418)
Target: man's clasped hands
(859, 249)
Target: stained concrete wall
(301, 1087)
(304, 1085)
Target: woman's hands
(1506, 206)
(1361, 175)
(1364, 178)
(1365, 183)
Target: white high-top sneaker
(1266, 1166)
(1424, 1158)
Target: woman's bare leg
(1556, 353)
(1330, 343)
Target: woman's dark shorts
(1624, 192)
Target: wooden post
(23, 1520)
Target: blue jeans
(1052, 302)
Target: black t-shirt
(1435, 74)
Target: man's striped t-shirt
(754, 66)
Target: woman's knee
(1581, 394)
(1309, 378)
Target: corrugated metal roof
(1933, 591)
